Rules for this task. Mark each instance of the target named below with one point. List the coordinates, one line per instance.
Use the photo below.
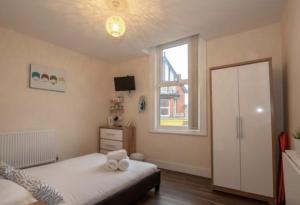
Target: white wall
(75, 114)
(192, 154)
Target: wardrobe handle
(237, 126)
(241, 127)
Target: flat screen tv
(125, 83)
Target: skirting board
(184, 168)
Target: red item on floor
(283, 143)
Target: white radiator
(25, 149)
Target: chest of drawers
(115, 138)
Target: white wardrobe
(242, 145)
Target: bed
(81, 181)
(85, 181)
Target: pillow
(13, 194)
(4, 167)
(38, 189)
(48, 194)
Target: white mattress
(85, 181)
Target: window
(177, 90)
(165, 108)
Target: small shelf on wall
(116, 110)
(114, 101)
(116, 105)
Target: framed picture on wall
(45, 78)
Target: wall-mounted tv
(125, 83)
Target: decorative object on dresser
(242, 130)
(115, 138)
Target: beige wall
(291, 39)
(180, 152)
(192, 154)
(75, 114)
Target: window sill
(179, 132)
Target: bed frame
(135, 192)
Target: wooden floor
(183, 189)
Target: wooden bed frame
(134, 192)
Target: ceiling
(79, 24)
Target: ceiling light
(115, 26)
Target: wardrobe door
(256, 129)
(226, 149)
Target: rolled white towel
(123, 164)
(117, 155)
(111, 165)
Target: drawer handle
(110, 133)
(109, 145)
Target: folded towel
(117, 155)
(123, 164)
(111, 164)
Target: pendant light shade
(115, 26)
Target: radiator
(26, 149)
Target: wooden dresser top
(114, 127)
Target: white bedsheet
(85, 181)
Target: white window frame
(202, 93)
(168, 115)
(175, 110)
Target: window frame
(161, 84)
(169, 113)
(157, 58)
